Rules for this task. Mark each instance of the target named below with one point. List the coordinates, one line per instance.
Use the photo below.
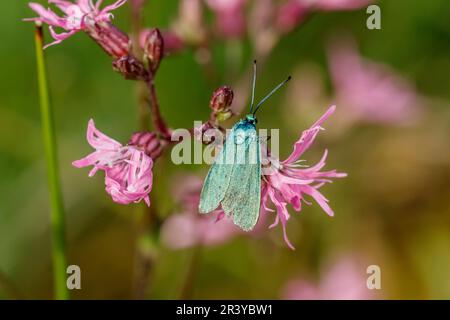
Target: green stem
(56, 202)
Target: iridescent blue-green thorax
(251, 119)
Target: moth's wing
(243, 196)
(218, 178)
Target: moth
(234, 179)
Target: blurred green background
(393, 209)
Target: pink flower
(77, 16)
(289, 183)
(128, 169)
(344, 280)
(373, 92)
(333, 5)
(185, 230)
(189, 25)
(294, 12)
(291, 14)
(230, 16)
(189, 228)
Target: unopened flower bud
(130, 68)
(154, 48)
(148, 142)
(115, 42)
(221, 99)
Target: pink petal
(320, 199)
(61, 4)
(99, 140)
(46, 15)
(113, 6)
(59, 37)
(307, 137)
(282, 215)
(147, 201)
(85, 5)
(89, 160)
(325, 116)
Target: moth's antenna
(271, 93)
(253, 86)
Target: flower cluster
(128, 168)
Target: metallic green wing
(243, 195)
(218, 178)
(234, 179)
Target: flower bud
(154, 48)
(148, 142)
(221, 99)
(115, 42)
(130, 68)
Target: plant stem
(136, 8)
(158, 122)
(56, 202)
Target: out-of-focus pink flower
(332, 5)
(291, 14)
(189, 25)
(289, 183)
(230, 16)
(373, 92)
(185, 230)
(261, 27)
(189, 228)
(344, 280)
(128, 169)
(77, 16)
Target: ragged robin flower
(78, 16)
(288, 181)
(128, 168)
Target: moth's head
(250, 118)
